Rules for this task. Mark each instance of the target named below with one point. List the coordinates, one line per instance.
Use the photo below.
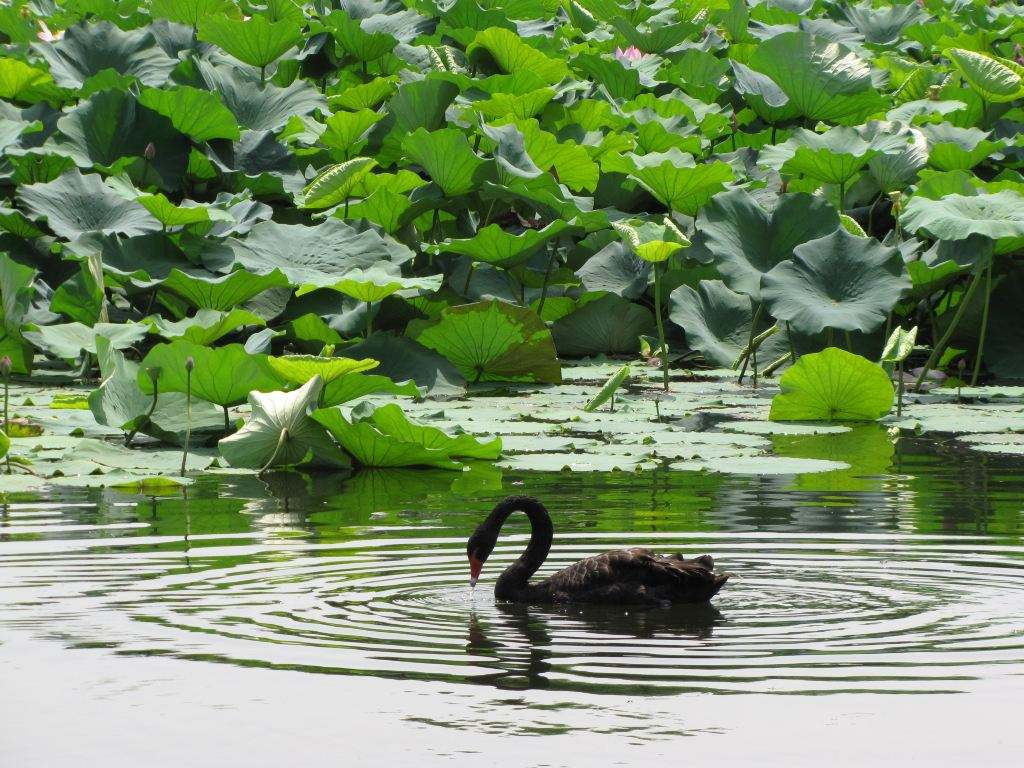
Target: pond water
(876, 616)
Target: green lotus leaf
(100, 457)
(677, 181)
(998, 216)
(383, 207)
(651, 241)
(15, 222)
(994, 78)
(318, 256)
(119, 402)
(88, 49)
(746, 241)
(616, 269)
(196, 113)
(832, 157)
(188, 12)
(823, 80)
(620, 81)
(222, 375)
(256, 41)
(223, 292)
(492, 341)
(385, 437)
(280, 432)
(717, 322)
(206, 326)
(298, 369)
(376, 284)
(953, 149)
(838, 281)
(346, 129)
(446, 157)
(352, 386)
(882, 25)
(21, 82)
(356, 41)
(189, 212)
(513, 54)
(75, 204)
(605, 324)
(403, 359)
(493, 245)
(570, 161)
(111, 130)
(16, 292)
(763, 95)
(899, 345)
(256, 106)
(832, 385)
(334, 184)
(607, 391)
(68, 340)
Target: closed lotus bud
(190, 363)
(934, 92)
(150, 152)
(154, 373)
(961, 364)
(5, 366)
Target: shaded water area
(876, 614)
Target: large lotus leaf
(222, 375)
(570, 161)
(16, 291)
(24, 83)
(75, 204)
(118, 402)
(512, 54)
(257, 41)
(259, 107)
(352, 386)
(994, 78)
(345, 131)
(281, 432)
(68, 340)
(832, 157)
(998, 216)
(609, 324)
(832, 385)
(261, 165)
(194, 112)
(145, 258)
(298, 369)
(223, 292)
(677, 181)
(746, 241)
(837, 281)
(953, 149)
(616, 269)
(187, 12)
(206, 326)
(88, 49)
(111, 125)
(823, 80)
(356, 41)
(494, 245)
(717, 322)
(446, 157)
(319, 255)
(403, 359)
(492, 341)
(189, 212)
(882, 25)
(377, 283)
(334, 184)
(765, 97)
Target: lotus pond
(291, 292)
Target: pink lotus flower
(46, 35)
(630, 54)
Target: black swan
(623, 576)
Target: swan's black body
(623, 576)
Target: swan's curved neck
(514, 580)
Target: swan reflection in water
(517, 643)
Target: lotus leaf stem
(7, 423)
(661, 326)
(281, 440)
(984, 327)
(469, 276)
(940, 347)
(750, 342)
(771, 368)
(544, 285)
(369, 318)
(899, 389)
(188, 416)
(849, 341)
(227, 422)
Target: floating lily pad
(832, 385)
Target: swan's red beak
(474, 569)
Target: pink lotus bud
(630, 54)
(46, 35)
(5, 366)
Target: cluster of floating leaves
(457, 194)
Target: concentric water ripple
(804, 613)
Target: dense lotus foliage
(209, 202)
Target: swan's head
(478, 549)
